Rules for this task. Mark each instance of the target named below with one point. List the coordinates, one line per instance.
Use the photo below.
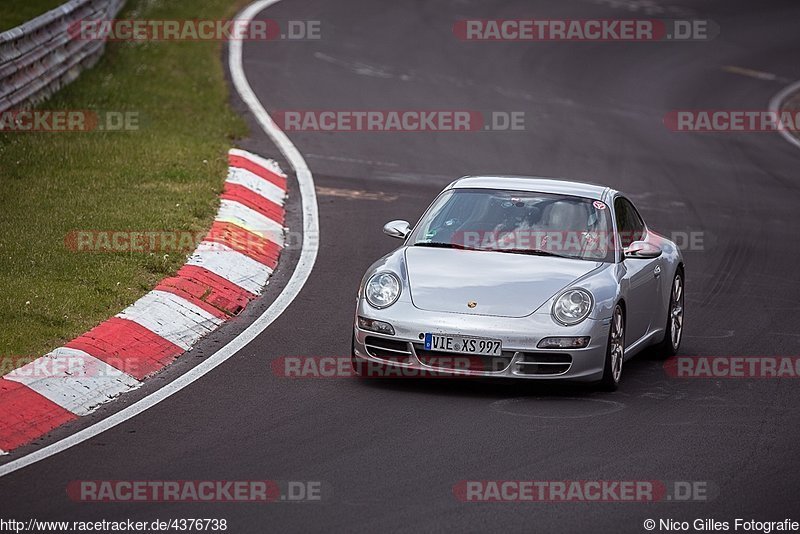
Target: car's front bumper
(520, 336)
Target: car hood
(499, 283)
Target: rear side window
(629, 224)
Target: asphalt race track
(388, 453)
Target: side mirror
(642, 250)
(397, 229)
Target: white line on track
(775, 107)
(302, 271)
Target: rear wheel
(615, 351)
(673, 333)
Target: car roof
(535, 184)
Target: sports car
(520, 277)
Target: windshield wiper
(530, 252)
(442, 245)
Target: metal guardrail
(39, 57)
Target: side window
(638, 223)
(629, 224)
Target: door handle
(657, 271)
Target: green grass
(165, 176)
(15, 12)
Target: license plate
(463, 344)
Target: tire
(673, 332)
(615, 352)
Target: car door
(641, 275)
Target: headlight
(382, 289)
(572, 306)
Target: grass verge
(164, 176)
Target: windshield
(518, 222)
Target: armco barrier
(39, 57)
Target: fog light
(564, 342)
(375, 326)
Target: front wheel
(673, 332)
(615, 351)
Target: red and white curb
(227, 270)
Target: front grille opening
(463, 362)
(542, 363)
(388, 349)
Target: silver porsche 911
(521, 277)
